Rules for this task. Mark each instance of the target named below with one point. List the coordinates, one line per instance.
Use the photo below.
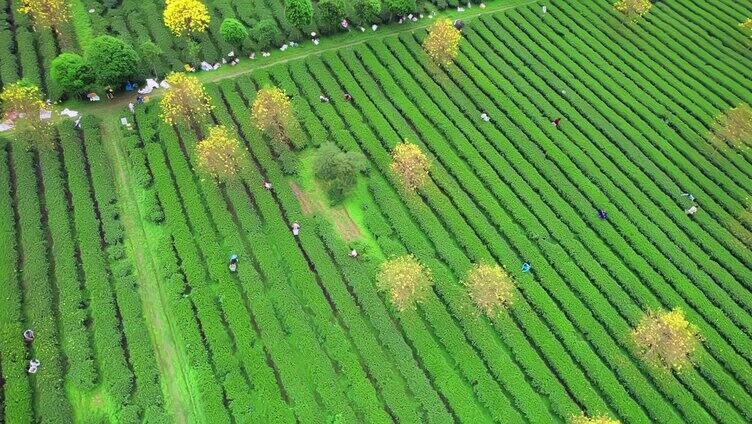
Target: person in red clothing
(555, 122)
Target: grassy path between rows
(181, 399)
(172, 362)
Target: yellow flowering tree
(747, 25)
(490, 287)
(442, 42)
(186, 17)
(632, 10)
(272, 113)
(599, 419)
(666, 339)
(185, 101)
(735, 127)
(22, 103)
(410, 165)
(405, 280)
(220, 154)
(47, 13)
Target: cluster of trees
(329, 13)
(407, 282)
(107, 61)
(662, 338)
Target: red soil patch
(339, 216)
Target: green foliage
(70, 73)
(366, 11)
(299, 13)
(400, 7)
(233, 32)
(338, 170)
(151, 55)
(329, 14)
(192, 51)
(112, 60)
(266, 34)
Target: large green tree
(299, 13)
(70, 73)
(329, 14)
(400, 7)
(338, 170)
(233, 32)
(366, 11)
(266, 34)
(113, 61)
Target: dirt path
(343, 223)
(173, 366)
(330, 43)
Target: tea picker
(233, 263)
(526, 267)
(28, 335)
(295, 228)
(33, 365)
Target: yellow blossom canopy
(272, 113)
(21, 98)
(47, 13)
(410, 165)
(666, 339)
(406, 280)
(747, 25)
(220, 154)
(185, 100)
(633, 9)
(735, 126)
(442, 42)
(22, 103)
(599, 419)
(186, 17)
(490, 287)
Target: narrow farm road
(106, 109)
(174, 368)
